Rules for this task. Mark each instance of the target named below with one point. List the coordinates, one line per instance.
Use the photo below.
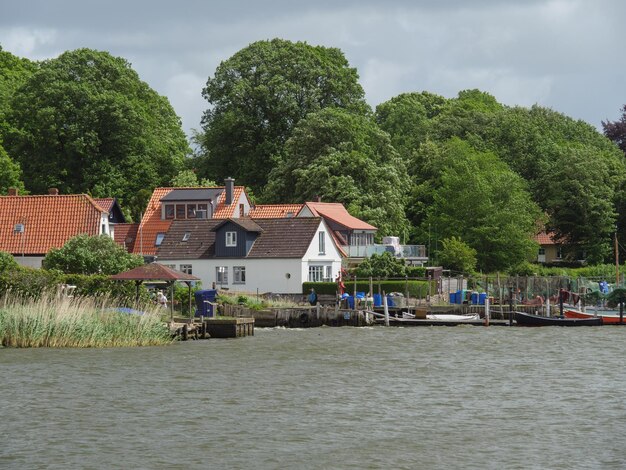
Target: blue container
(481, 298)
(350, 302)
(360, 295)
(203, 302)
(452, 297)
(474, 298)
(378, 300)
(390, 301)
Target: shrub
(7, 262)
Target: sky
(562, 54)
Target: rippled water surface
(443, 397)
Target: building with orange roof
(32, 225)
(550, 250)
(275, 211)
(171, 204)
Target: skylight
(186, 236)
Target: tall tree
(10, 173)
(616, 130)
(484, 203)
(14, 71)
(86, 123)
(344, 157)
(260, 94)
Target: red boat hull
(606, 319)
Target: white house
(245, 255)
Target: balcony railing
(406, 251)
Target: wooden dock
(185, 329)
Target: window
(169, 211)
(231, 238)
(322, 243)
(542, 251)
(559, 253)
(104, 229)
(186, 237)
(180, 211)
(320, 273)
(242, 210)
(191, 211)
(186, 268)
(221, 275)
(159, 239)
(239, 275)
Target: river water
(324, 398)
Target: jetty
(204, 328)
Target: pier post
(511, 306)
(386, 309)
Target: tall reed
(52, 321)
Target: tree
(14, 71)
(384, 265)
(343, 157)
(10, 173)
(616, 130)
(7, 262)
(483, 202)
(188, 179)
(86, 123)
(260, 94)
(457, 255)
(84, 254)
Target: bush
(417, 289)
(7, 262)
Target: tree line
(290, 121)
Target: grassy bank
(76, 323)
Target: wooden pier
(185, 329)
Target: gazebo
(157, 272)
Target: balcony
(408, 252)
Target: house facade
(169, 205)
(246, 255)
(32, 225)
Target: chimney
(53, 191)
(229, 183)
(12, 191)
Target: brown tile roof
(201, 243)
(336, 212)
(154, 272)
(284, 238)
(280, 238)
(49, 221)
(245, 223)
(151, 223)
(274, 211)
(126, 235)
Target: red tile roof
(544, 238)
(154, 272)
(49, 221)
(336, 212)
(152, 224)
(274, 211)
(106, 203)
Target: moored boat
(607, 318)
(527, 319)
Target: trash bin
(481, 298)
(452, 297)
(204, 301)
(378, 300)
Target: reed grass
(61, 322)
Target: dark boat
(526, 319)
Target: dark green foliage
(259, 95)
(91, 255)
(7, 262)
(343, 157)
(10, 173)
(98, 285)
(417, 289)
(29, 282)
(457, 255)
(85, 123)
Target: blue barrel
(350, 301)
(452, 297)
(481, 298)
(390, 301)
(378, 300)
(474, 298)
(203, 305)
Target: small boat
(607, 318)
(527, 319)
(452, 317)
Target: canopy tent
(157, 272)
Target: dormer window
(159, 239)
(169, 211)
(231, 238)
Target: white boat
(452, 317)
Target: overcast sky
(563, 54)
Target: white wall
(243, 199)
(29, 261)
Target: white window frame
(239, 274)
(316, 273)
(159, 239)
(328, 273)
(221, 275)
(322, 242)
(231, 239)
(186, 268)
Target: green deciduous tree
(343, 157)
(14, 71)
(7, 262)
(91, 255)
(457, 255)
(260, 94)
(10, 173)
(86, 123)
(483, 202)
(384, 265)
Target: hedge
(417, 289)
